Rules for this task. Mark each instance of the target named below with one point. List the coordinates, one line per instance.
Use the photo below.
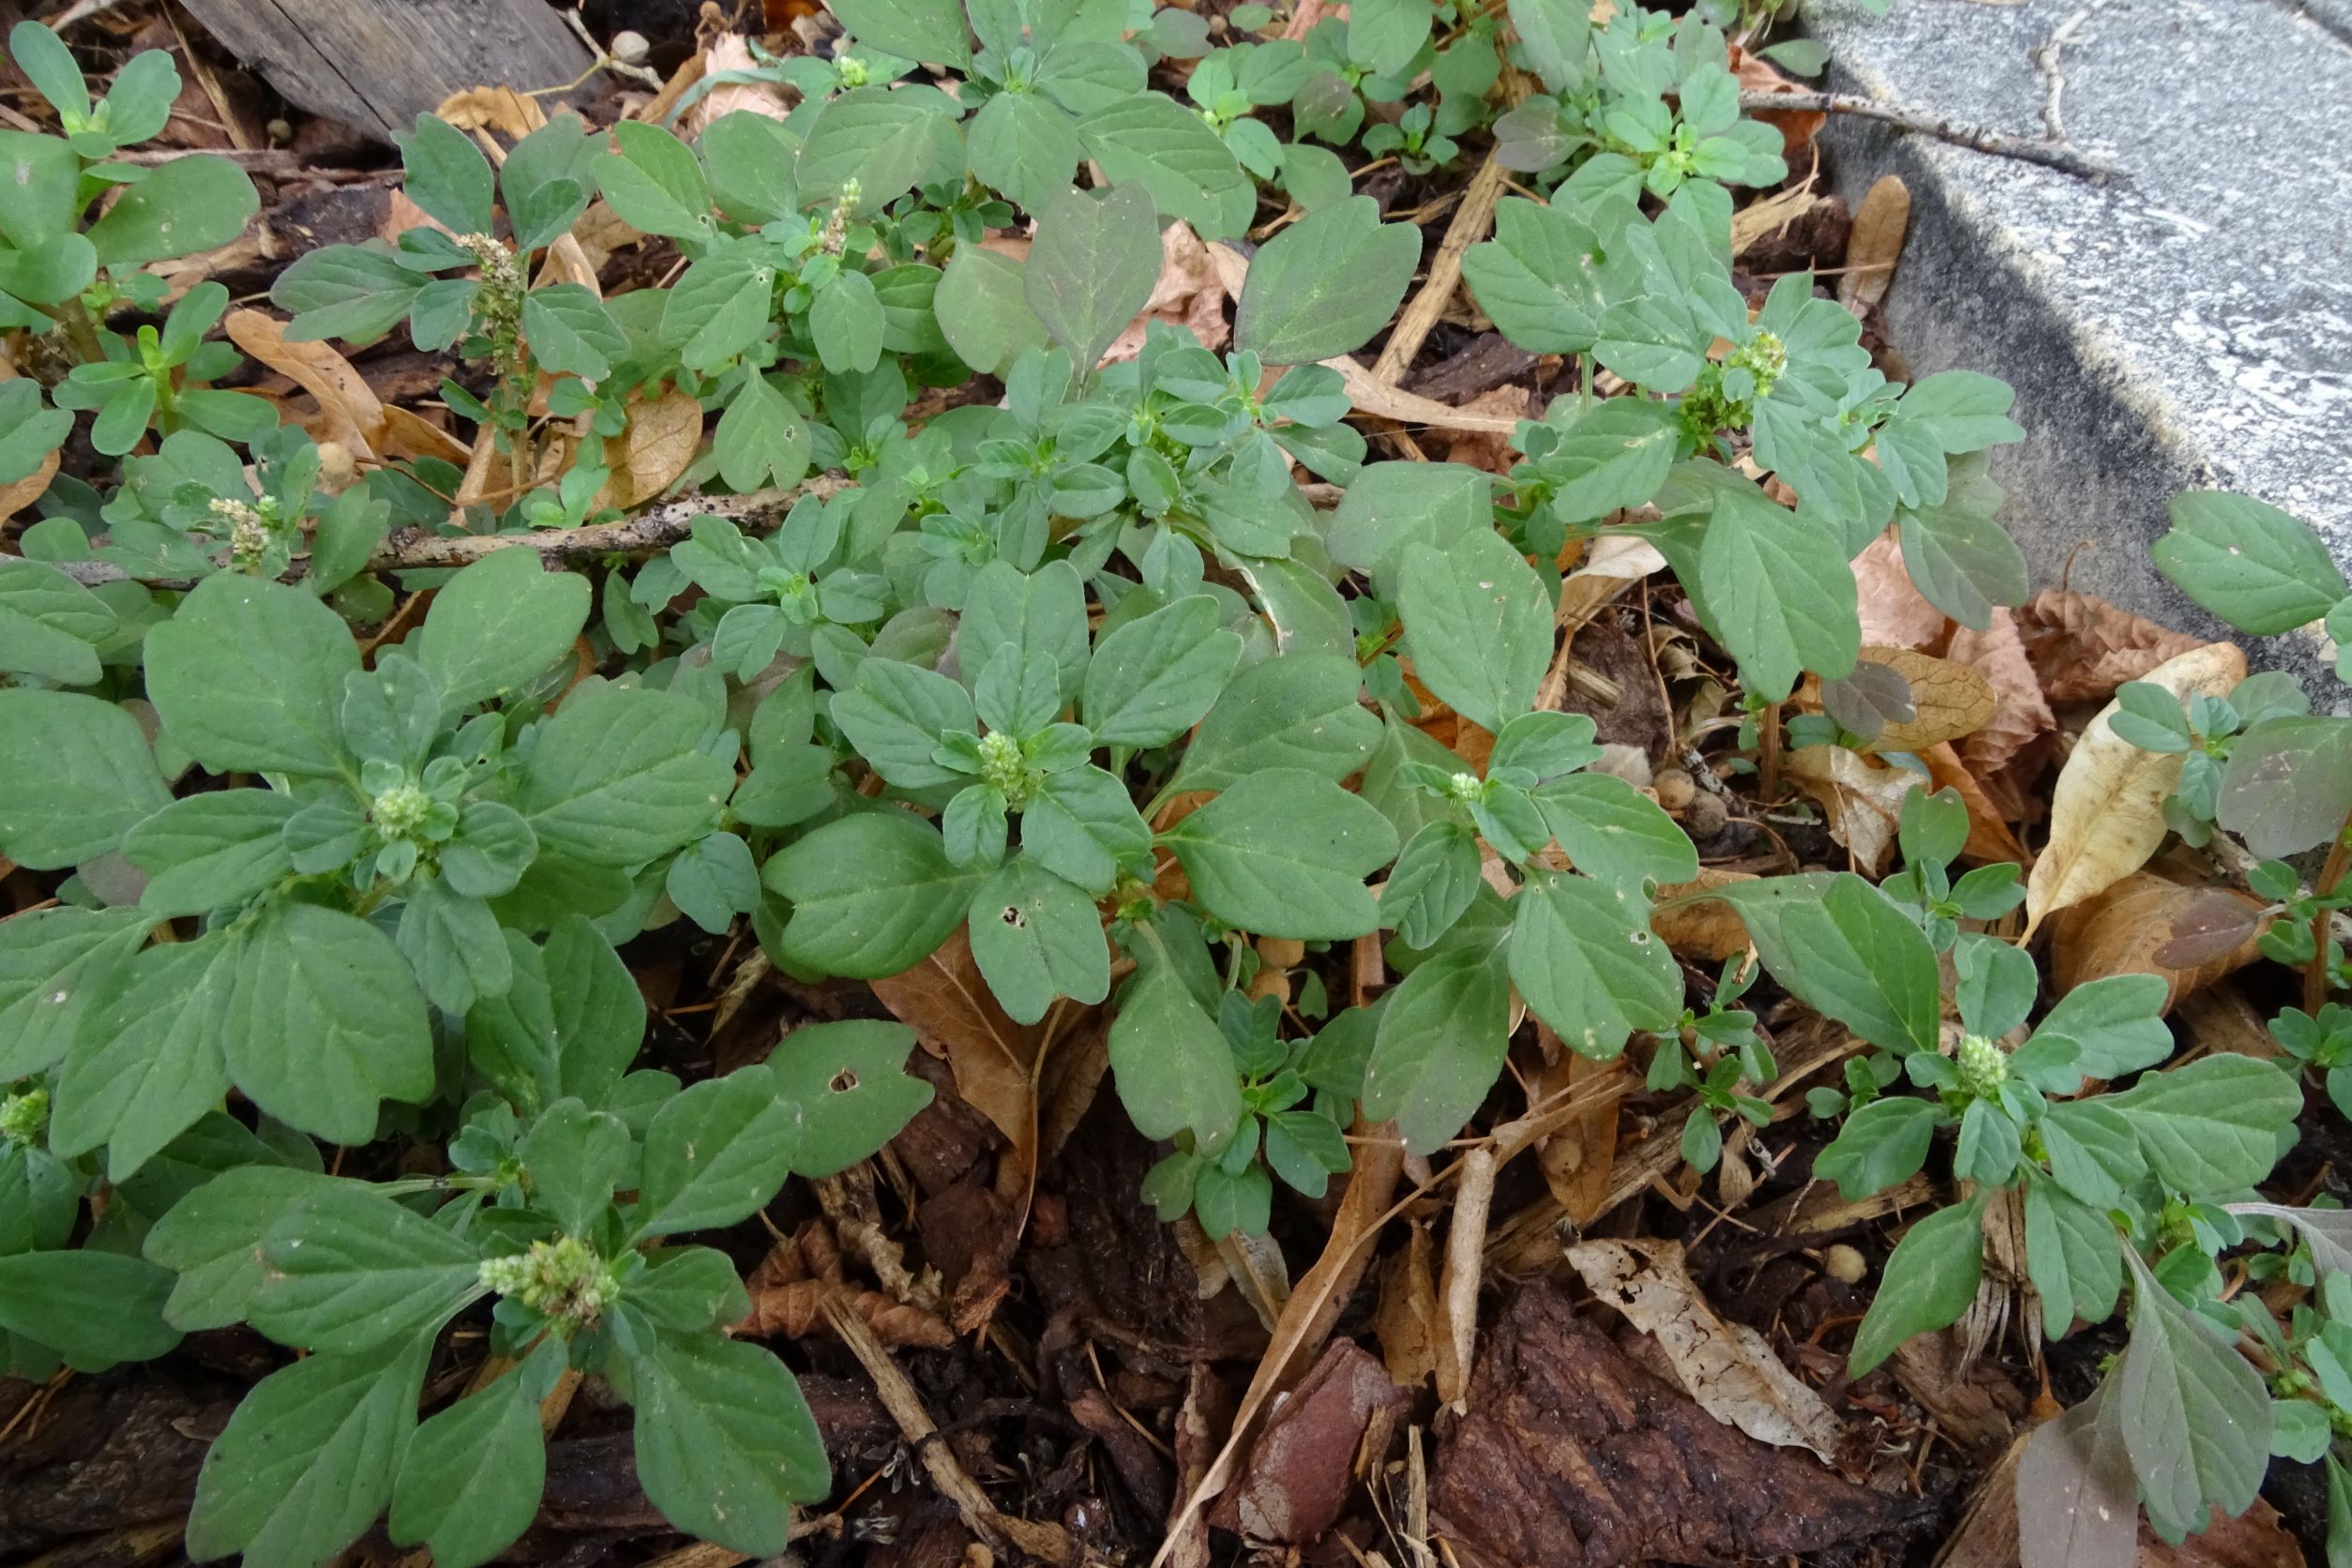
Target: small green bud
(1003, 769)
(563, 1279)
(24, 1117)
(401, 812)
(1467, 789)
(1984, 1067)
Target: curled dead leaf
(349, 409)
(2145, 924)
(1894, 613)
(1727, 1368)
(1577, 1160)
(1190, 293)
(2021, 715)
(15, 497)
(2083, 647)
(2106, 813)
(1797, 126)
(1709, 929)
(1989, 838)
(499, 109)
(408, 434)
(1876, 244)
(1406, 1321)
(1861, 797)
(1949, 700)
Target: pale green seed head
(563, 1278)
(1984, 1067)
(400, 811)
(1466, 788)
(1002, 767)
(24, 1117)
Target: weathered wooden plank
(377, 64)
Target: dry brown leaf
(1258, 1271)
(1727, 1368)
(2021, 715)
(407, 435)
(1577, 1159)
(732, 51)
(1484, 448)
(1380, 398)
(402, 214)
(2106, 813)
(1989, 838)
(949, 1006)
(1895, 614)
(1875, 245)
(499, 109)
(1797, 126)
(658, 445)
(1190, 293)
(1709, 929)
(1948, 698)
(1406, 1321)
(24, 492)
(2083, 647)
(2145, 924)
(1861, 797)
(349, 410)
(1302, 1466)
(794, 1282)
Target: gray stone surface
(2188, 325)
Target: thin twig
(412, 550)
(1983, 139)
(2045, 59)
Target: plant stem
(1768, 753)
(81, 331)
(2330, 876)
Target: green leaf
(350, 1270)
(1930, 1279)
(325, 1020)
(1394, 506)
(1539, 278)
(570, 1024)
(50, 67)
(53, 962)
(1442, 1040)
(725, 1444)
(1882, 1144)
(690, 1289)
(1583, 956)
(654, 183)
(354, 293)
(2195, 1414)
(749, 165)
(498, 625)
(2248, 563)
(2288, 786)
(1849, 954)
(569, 329)
(546, 181)
(1478, 624)
(306, 1463)
(150, 1058)
(895, 717)
(1940, 415)
(1385, 35)
(716, 1154)
(1042, 612)
(1296, 711)
(850, 1083)
(1961, 561)
(75, 776)
(211, 849)
(193, 203)
(1613, 832)
(761, 439)
(249, 677)
(471, 1479)
(2116, 1025)
(846, 323)
(888, 139)
(1778, 588)
(212, 1241)
(2092, 1152)
(50, 625)
(2212, 1125)
(1035, 937)
(1080, 825)
(2072, 1257)
(576, 1157)
(1092, 267)
(713, 880)
(871, 895)
(453, 945)
(1325, 285)
(983, 308)
(1435, 878)
(1557, 40)
(1175, 1073)
(1284, 852)
(447, 174)
(1154, 677)
(1149, 140)
(720, 307)
(1026, 147)
(619, 778)
(92, 1308)
(931, 31)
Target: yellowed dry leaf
(408, 434)
(1949, 700)
(1190, 293)
(1895, 614)
(1797, 126)
(1577, 1159)
(349, 410)
(2021, 715)
(1875, 245)
(2186, 936)
(499, 109)
(1411, 408)
(732, 51)
(2106, 813)
(660, 443)
(1861, 797)
(15, 497)
(1709, 929)
(402, 214)
(1727, 1368)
